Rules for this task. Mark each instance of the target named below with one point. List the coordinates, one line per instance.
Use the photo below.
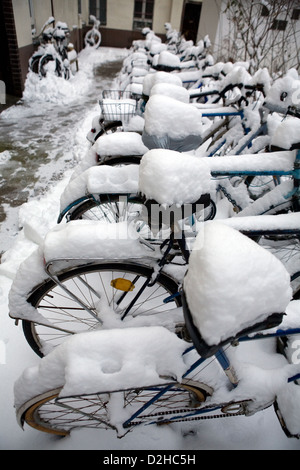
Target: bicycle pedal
(182, 332)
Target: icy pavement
(44, 135)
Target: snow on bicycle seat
(103, 179)
(166, 128)
(283, 93)
(119, 143)
(167, 61)
(233, 287)
(169, 177)
(115, 144)
(152, 79)
(287, 134)
(174, 91)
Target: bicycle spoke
(100, 292)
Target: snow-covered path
(44, 136)
(67, 145)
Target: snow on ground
(261, 431)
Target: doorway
(10, 70)
(190, 22)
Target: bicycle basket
(116, 94)
(118, 110)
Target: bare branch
(253, 35)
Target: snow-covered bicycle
(58, 55)
(45, 37)
(93, 37)
(123, 377)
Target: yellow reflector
(122, 284)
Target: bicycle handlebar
(95, 21)
(257, 87)
(292, 111)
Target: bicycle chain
(230, 199)
(195, 418)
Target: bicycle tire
(34, 64)
(283, 341)
(93, 38)
(114, 208)
(48, 413)
(296, 285)
(107, 209)
(121, 160)
(29, 413)
(72, 318)
(67, 74)
(45, 59)
(109, 128)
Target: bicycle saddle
(171, 178)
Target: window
(279, 25)
(98, 9)
(31, 14)
(79, 7)
(143, 14)
(296, 14)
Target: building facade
(121, 23)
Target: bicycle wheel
(93, 38)
(295, 281)
(67, 73)
(59, 416)
(114, 208)
(116, 160)
(44, 65)
(109, 128)
(103, 295)
(286, 248)
(34, 63)
(110, 208)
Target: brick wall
(10, 59)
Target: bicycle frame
(293, 195)
(219, 173)
(230, 408)
(225, 364)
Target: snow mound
(164, 116)
(84, 239)
(152, 79)
(170, 177)
(232, 283)
(120, 143)
(100, 361)
(101, 180)
(173, 91)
